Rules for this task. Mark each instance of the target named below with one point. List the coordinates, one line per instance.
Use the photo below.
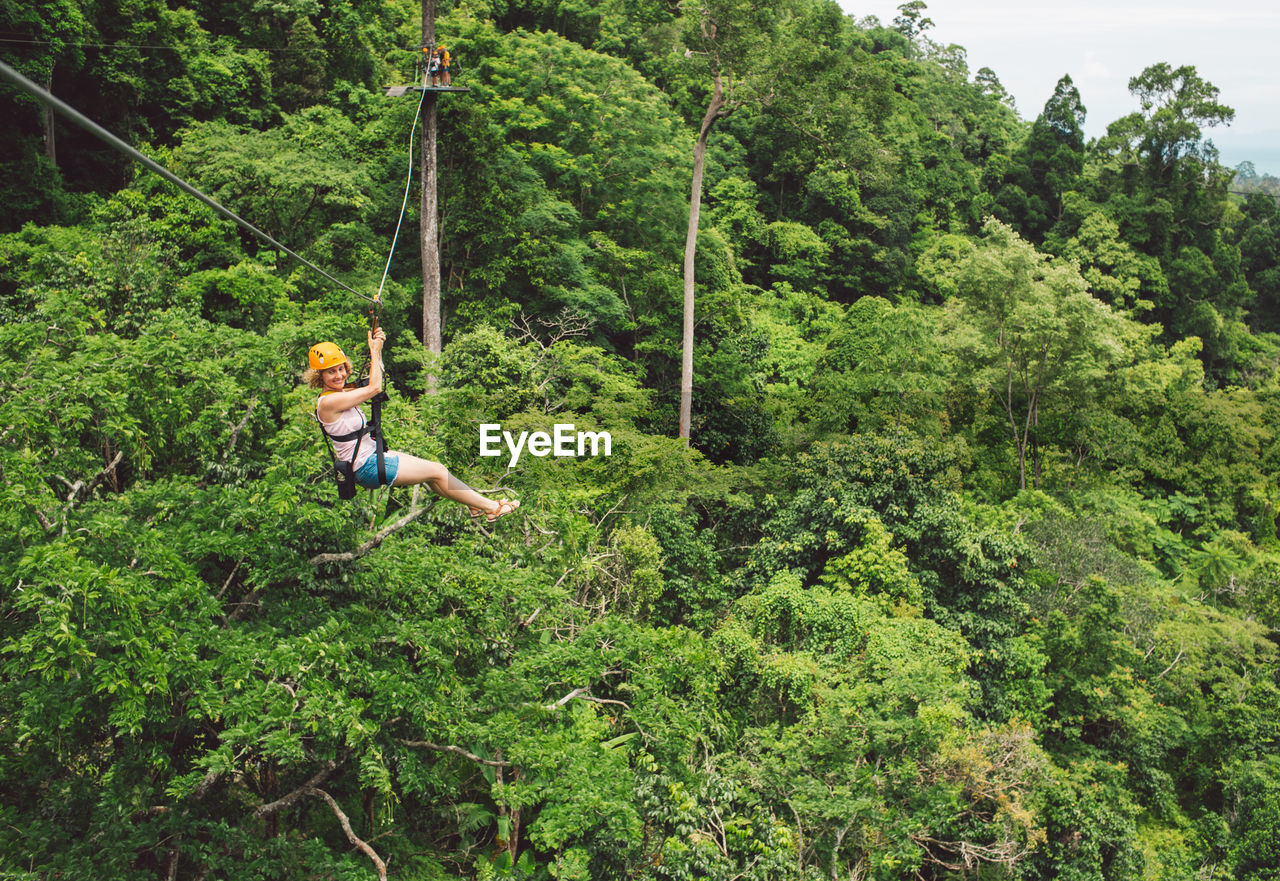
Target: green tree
(882, 370)
(1176, 106)
(1047, 165)
(54, 30)
(299, 70)
(868, 787)
(1255, 788)
(1041, 340)
(30, 181)
(911, 21)
(295, 181)
(1163, 186)
(562, 187)
(1118, 275)
(1259, 250)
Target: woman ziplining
(358, 443)
(338, 407)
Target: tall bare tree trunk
(512, 843)
(50, 145)
(429, 225)
(1019, 438)
(430, 229)
(714, 111)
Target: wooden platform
(398, 91)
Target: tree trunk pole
(429, 225)
(47, 120)
(690, 250)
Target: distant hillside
(1248, 181)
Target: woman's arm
(333, 404)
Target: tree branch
(77, 492)
(577, 692)
(242, 608)
(456, 750)
(349, 556)
(175, 853)
(79, 485)
(281, 803)
(351, 835)
(583, 694)
(565, 325)
(227, 583)
(205, 785)
(235, 432)
(1172, 664)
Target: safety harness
(344, 472)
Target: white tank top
(348, 421)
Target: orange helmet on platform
(322, 356)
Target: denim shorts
(367, 474)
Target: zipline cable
(408, 185)
(117, 45)
(92, 127)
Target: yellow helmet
(322, 356)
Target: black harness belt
(373, 428)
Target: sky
(1030, 44)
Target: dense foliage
(972, 569)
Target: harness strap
(371, 427)
(350, 435)
(379, 442)
(343, 438)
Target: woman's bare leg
(437, 477)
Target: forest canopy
(968, 569)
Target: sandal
(476, 513)
(505, 507)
